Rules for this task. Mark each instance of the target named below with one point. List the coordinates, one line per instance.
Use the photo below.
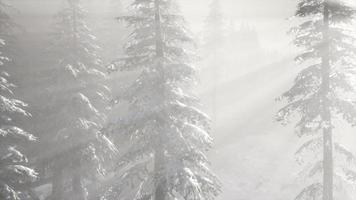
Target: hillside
(250, 162)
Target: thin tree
(168, 133)
(321, 91)
(14, 170)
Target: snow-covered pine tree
(322, 93)
(168, 133)
(14, 170)
(78, 101)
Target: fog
(244, 61)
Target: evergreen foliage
(323, 93)
(169, 134)
(14, 169)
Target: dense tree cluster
(145, 137)
(172, 135)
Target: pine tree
(77, 107)
(14, 170)
(321, 93)
(168, 133)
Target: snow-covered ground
(253, 154)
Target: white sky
(269, 17)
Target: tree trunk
(79, 191)
(159, 40)
(328, 165)
(58, 184)
(328, 171)
(160, 182)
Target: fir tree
(14, 170)
(168, 133)
(321, 94)
(77, 106)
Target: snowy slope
(254, 154)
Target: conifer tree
(14, 170)
(322, 93)
(78, 102)
(169, 135)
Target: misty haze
(177, 100)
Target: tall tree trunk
(158, 31)
(160, 182)
(58, 184)
(79, 191)
(328, 171)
